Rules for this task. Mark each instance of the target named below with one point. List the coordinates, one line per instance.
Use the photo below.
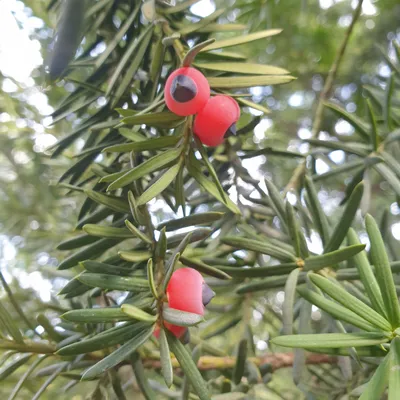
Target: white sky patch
(203, 8)
(21, 55)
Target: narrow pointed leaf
(149, 166)
(240, 82)
(287, 308)
(112, 282)
(394, 372)
(110, 337)
(346, 219)
(349, 301)
(243, 39)
(316, 263)
(143, 145)
(137, 313)
(383, 272)
(188, 367)
(137, 232)
(150, 277)
(165, 358)
(135, 256)
(181, 318)
(192, 53)
(335, 310)
(106, 231)
(243, 68)
(204, 268)
(159, 186)
(119, 355)
(260, 247)
(331, 340)
(112, 202)
(95, 315)
(194, 219)
(367, 275)
(379, 381)
(241, 356)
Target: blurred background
(35, 217)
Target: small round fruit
(217, 120)
(187, 291)
(186, 91)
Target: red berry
(187, 291)
(186, 91)
(217, 119)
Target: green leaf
(383, 272)
(124, 60)
(144, 145)
(259, 247)
(190, 28)
(316, 263)
(296, 235)
(264, 284)
(179, 7)
(112, 202)
(387, 174)
(335, 310)
(240, 82)
(8, 322)
(339, 294)
(379, 381)
(112, 282)
(243, 39)
(394, 372)
(161, 245)
(138, 314)
(194, 219)
(209, 167)
(137, 232)
(348, 147)
(355, 122)
(165, 359)
(241, 355)
(192, 53)
(136, 61)
(103, 268)
(259, 272)
(346, 219)
(288, 303)
(331, 340)
(319, 217)
(116, 39)
(181, 318)
(135, 256)
(277, 202)
(149, 166)
(108, 338)
(374, 129)
(141, 378)
(107, 231)
(188, 367)
(160, 185)
(25, 376)
(367, 276)
(11, 367)
(204, 268)
(150, 277)
(243, 68)
(119, 355)
(163, 119)
(95, 315)
(76, 242)
(210, 187)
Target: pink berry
(186, 91)
(216, 120)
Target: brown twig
(277, 361)
(301, 168)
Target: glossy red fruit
(187, 291)
(217, 120)
(186, 91)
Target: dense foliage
(294, 263)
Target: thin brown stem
(301, 168)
